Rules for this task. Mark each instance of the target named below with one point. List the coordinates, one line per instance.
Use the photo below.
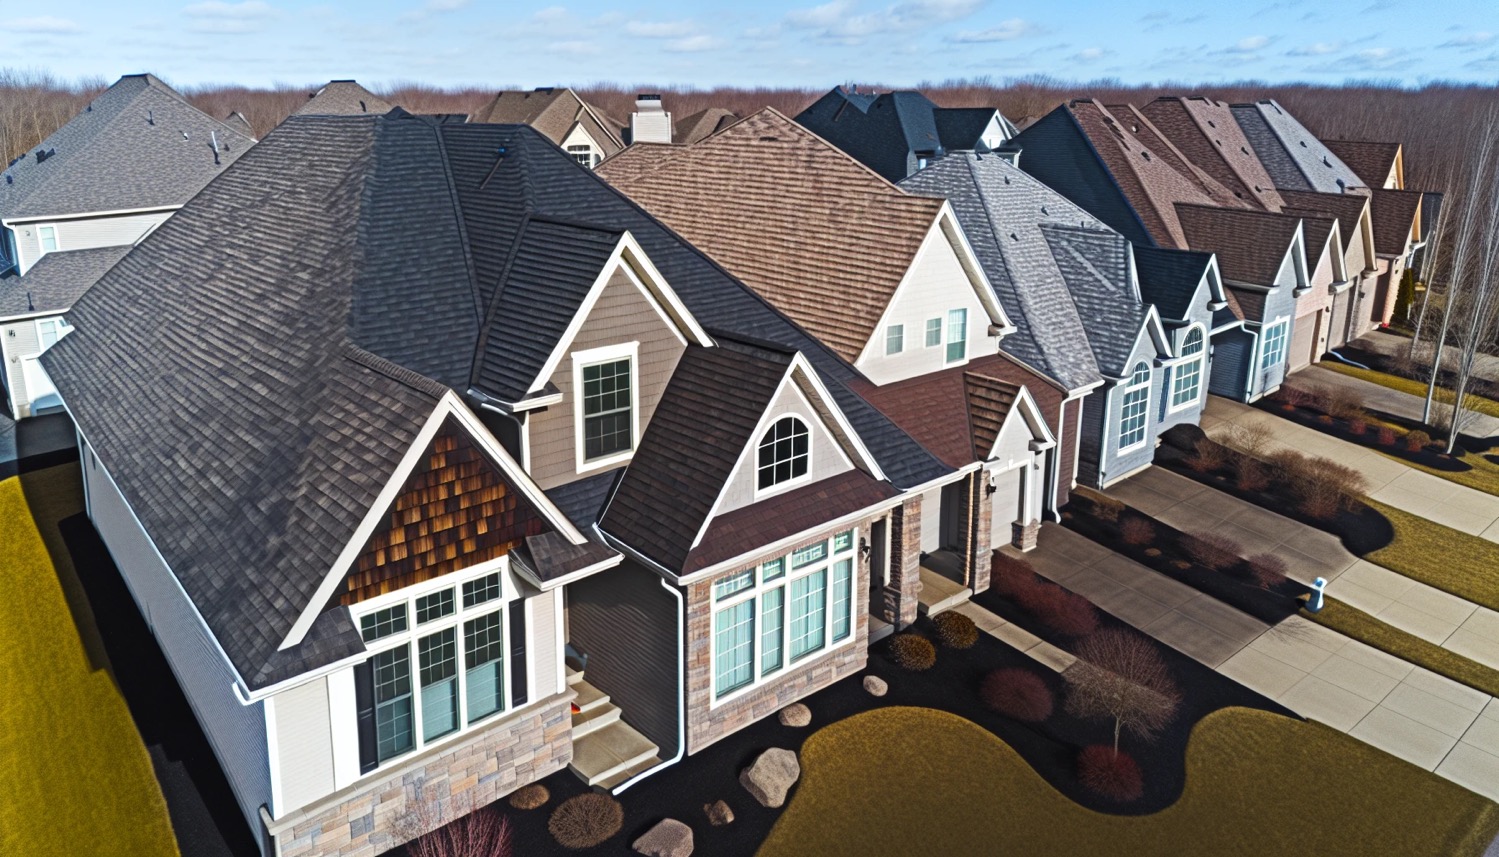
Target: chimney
(649, 123)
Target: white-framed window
(46, 236)
(933, 332)
(1274, 351)
(1186, 376)
(438, 661)
(957, 335)
(1134, 410)
(50, 330)
(583, 154)
(895, 339)
(607, 404)
(775, 616)
(784, 455)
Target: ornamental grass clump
(1137, 531)
(913, 652)
(1417, 441)
(1207, 456)
(1110, 774)
(1018, 693)
(1012, 577)
(956, 631)
(1386, 436)
(586, 820)
(1267, 570)
(1106, 508)
(1358, 426)
(1212, 550)
(1065, 612)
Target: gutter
(681, 693)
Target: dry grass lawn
(1450, 560)
(75, 778)
(918, 781)
(1353, 622)
(1406, 385)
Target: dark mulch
(1428, 456)
(1234, 586)
(1391, 366)
(1362, 529)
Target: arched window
(784, 453)
(1136, 405)
(1186, 377)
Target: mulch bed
(1234, 586)
(1390, 366)
(1428, 456)
(1362, 529)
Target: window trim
(593, 357)
(1283, 327)
(793, 481)
(947, 359)
(576, 149)
(1133, 386)
(927, 333)
(1200, 360)
(895, 334)
(41, 246)
(789, 665)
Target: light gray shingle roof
(1095, 265)
(343, 98)
(1292, 155)
(56, 281)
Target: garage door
(1006, 499)
(1303, 341)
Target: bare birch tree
(1119, 675)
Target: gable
(828, 459)
(454, 511)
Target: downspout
(681, 694)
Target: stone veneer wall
(370, 818)
(707, 723)
(902, 594)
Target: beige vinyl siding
(935, 284)
(85, 234)
(827, 458)
(545, 644)
(621, 315)
(19, 340)
(304, 740)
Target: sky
(766, 43)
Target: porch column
(981, 540)
(1025, 530)
(902, 591)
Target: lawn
(74, 775)
(918, 781)
(1406, 385)
(1439, 556)
(1353, 622)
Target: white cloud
(1470, 40)
(550, 14)
(217, 16)
(45, 24)
(1250, 44)
(1318, 49)
(694, 44)
(836, 21)
(661, 29)
(1009, 30)
(574, 47)
(1090, 54)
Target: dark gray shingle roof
(1095, 265)
(56, 281)
(1292, 155)
(1169, 278)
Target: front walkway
(1431, 497)
(1381, 398)
(1407, 711)
(1416, 608)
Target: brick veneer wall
(370, 818)
(707, 723)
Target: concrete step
(594, 720)
(574, 676)
(609, 751)
(640, 767)
(939, 593)
(589, 697)
(879, 629)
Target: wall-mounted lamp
(864, 548)
(991, 485)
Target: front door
(879, 565)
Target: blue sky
(771, 42)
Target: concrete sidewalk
(1414, 607)
(1485, 366)
(1381, 398)
(1432, 497)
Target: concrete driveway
(1485, 366)
(1380, 398)
(1432, 497)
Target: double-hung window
(773, 616)
(895, 339)
(606, 404)
(933, 332)
(1134, 410)
(438, 665)
(47, 237)
(1186, 376)
(1274, 352)
(583, 154)
(957, 335)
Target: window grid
(784, 453)
(383, 623)
(933, 332)
(437, 660)
(434, 606)
(1186, 378)
(734, 634)
(486, 588)
(843, 590)
(895, 339)
(393, 723)
(1133, 410)
(607, 423)
(583, 154)
(47, 235)
(808, 614)
(957, 335)
(772, 629)
(1275, 347)
(484, 665)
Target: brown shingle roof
(1317, 227)
(819, 235)
(1394, 213)
(989, 402)
(1370, 161)
(694, 128)
(553, 112)
(1205, 131)
(1250, 245)
(344, 98)
(1347, 208)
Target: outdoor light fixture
(864, 548)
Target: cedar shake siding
(626, 624)
(454, 512)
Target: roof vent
(1007, 179)
(150, 117)
(1144, 154)
(1219, 143)
(213, 141)
(1212, 124)
(1341, 185)
(1258, 189)
(1044, 211)
(1303, 144)
(1326, 162)
(184, 135)
(362, 108)
(1244, 150)
(42, 156)
(1135, 128)
(10, 179)
(499, 159)
(1239, 195)
(1014, 237)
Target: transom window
(50, 330)
(775, 615)
(933, 332)
(608, 422)
(1133, 411)
(1274, 352)
(784, 454)
(459, 665)
(1186, 377)
(895, 339)
(47, 236)
(957, 335)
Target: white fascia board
(947, 221)
(83, 215)
(800, 363)
(1034, 420)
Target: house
(343, 98)
(897, 133)
(614, 449)
(1116, 164)
(1069, 286)
(1349, 315)
(696, 126)
(71, 208)
(888, 281)
(562, 117)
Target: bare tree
(432, 831)
(1119, 675)
(1477, 287)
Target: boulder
(719, 813)
(796, 714)
(669, 838)
(772, 774)
(875, 685)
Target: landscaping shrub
(1321, 399)
(1212, 550)
(913, 652)
(1344, 403)
(1325, 419)
(1251, 474)
(533, 796)
(586, 820)
(1105, 507)
(1293, 397)
(1062, 611)
(1012, 577)
(1018, 693)
(1386, 436)
(1110, 774)
(455, 833)
(1268, 570)
(1137, 531)
(1417, 441)
(956, 631)
(1209, 456)
(1152, 552)
(1358, 426)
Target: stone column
(982, 538)
(902, 592)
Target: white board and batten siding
(827, 457)
(236, 732)
(18, 340)
(935, 284)
(931, 520)
(84, 234)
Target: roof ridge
(798, 127)
(486, 315)
(394, 371)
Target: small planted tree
(457, 833)
(1017, 693)
(1120, 676)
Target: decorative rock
(771, 775)
(875, 685)
(719, 813)
(796, 714)
(669, 838)
(530, 797)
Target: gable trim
(1030, 411)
